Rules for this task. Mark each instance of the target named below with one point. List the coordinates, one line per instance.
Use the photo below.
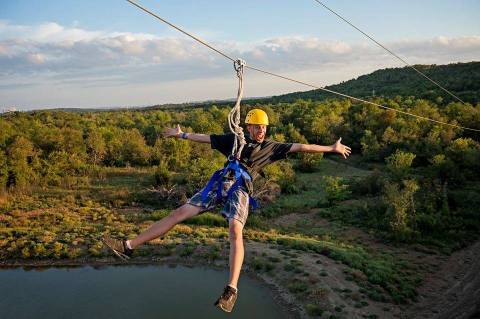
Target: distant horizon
(115, 107)
(14, 108)
(84, 54)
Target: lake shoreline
(282, 297)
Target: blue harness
(240, 175)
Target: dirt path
(327, 282)
(451, 286)
(453, 292)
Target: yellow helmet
(256, 116)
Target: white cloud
(36, 58)
(82, 59)
(49, 32)
(440, 48)
(60, 49)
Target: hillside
(463, 79)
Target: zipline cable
(297, 81)
(361, 100)
(390, 51)
(184, 32)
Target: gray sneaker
(119, 247)
(227, 299)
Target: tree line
(428, 174)
(463, 79)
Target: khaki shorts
(235, 207)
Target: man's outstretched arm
(338, 147)
(177, 132)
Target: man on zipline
(256, 154)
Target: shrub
(58, 250)
(297, 287)
(256, 264)
(280, 173)
(26, 252)
(309, 162)
(370, 146)
(39, 250)
(401, 208)
(369, 185)
(163, 175)
(314, 310)
(335, 189)
(399, 163)
(74, 253)
(187, 250)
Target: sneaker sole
(116, 252)
(221, 307)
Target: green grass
(208, 219)
(311, 189)
(69, 224)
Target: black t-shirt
(254, 155)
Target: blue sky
(109, 53)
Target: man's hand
(172, 132)
(177, 132)
(338, 147)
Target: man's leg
(124, 249)
(229, 296)
(236, 251)
(165, 224)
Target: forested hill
(462, 79)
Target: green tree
(151, 134)
(134, 149)
(3, 170)
(399, 163)
(163, 175)
(465, 152)
(442, 168)
(176, 153)
(203, 122)
(464, 114)
(399, 199)
(293, 135)
(73, 142)
(309, 161)
(335, 189)
(370, 146)
(96, 147)
(326, 122)
(6, 132)
(60, 166)
(20, 157)
(124, 120)
(48, 139)
(114, 143)
(199, 171)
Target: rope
(391, 52)
(234, 115)
(300, 82)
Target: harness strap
(241, 175)
(216, 176)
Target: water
(128, 292)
